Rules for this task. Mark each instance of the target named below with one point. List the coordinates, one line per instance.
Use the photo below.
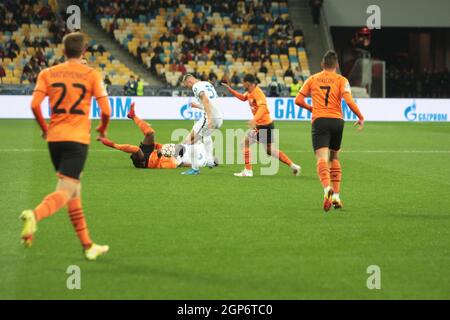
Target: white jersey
(200, 152)
(211, 94)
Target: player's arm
(347, 96)
(301, 102)
(195, 105)
(304, 92)
(207, 105)
(240, 96)
(103, 102)
(39, 94)
(105, 108)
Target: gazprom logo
(285, 109)
(119, 107)
(411, 114)
(187, 113)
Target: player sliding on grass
(149, 154)
(70, 87)
(327, 88)
(261, 126)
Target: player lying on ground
(70, 87)
(327, 88)
(212, 119)
(261, 126)
(153, 155)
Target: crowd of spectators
(407, 83)
(199, 36)
(13, 14)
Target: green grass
(216, 236)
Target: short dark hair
(330, 59)
(250, 78)
(74, 44)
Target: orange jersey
(70, 87)
(258, 104)
(161, 163)
(327, 90)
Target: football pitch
(216, 236)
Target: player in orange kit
(151, 155)
(148, 154)
(261, 126)
(70, 87)
(327, 89)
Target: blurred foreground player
(70, 87)
(327, 89)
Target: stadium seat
(131, 31)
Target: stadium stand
(214, 40)
(406, 83)
(30, 40)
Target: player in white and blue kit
(184, 155)
(212, 119)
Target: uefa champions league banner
(177, 108)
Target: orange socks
(324, 172)
(55, 201)
(280, 155)
(79, 223)
(246, 152)
(129, 148)
(51, 203)
(336, 175)
(283, 157)
(144, 126)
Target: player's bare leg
(245, 145)
(336, 177)
(280, 155)
(323, 170)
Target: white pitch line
(46, 150)
(383, 151)
(288, 151)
